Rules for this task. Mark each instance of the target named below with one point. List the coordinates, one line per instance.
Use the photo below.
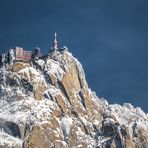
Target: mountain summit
(47, 103)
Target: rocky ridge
(47, 103)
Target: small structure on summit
(55, 42)
(37, 53)
(55, 48)
(16, 54)
(20, 54)
(11, 56)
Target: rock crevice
(47, 103)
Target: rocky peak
(47, 103)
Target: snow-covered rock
(47, 103)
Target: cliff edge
(47, 103)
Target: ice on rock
(41, 63)
(66, 123)
(31, 74)
(53, 68)
(62, 117)
(9, 141)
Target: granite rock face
(47, 103)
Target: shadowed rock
(12, 129)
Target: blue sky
(108, 37)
